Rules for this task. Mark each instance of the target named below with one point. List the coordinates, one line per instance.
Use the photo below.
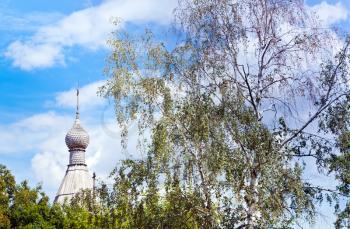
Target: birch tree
(236, 110)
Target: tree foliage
(22, 206)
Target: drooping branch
(311, 119)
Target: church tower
(77, 175)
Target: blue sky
(47, 49)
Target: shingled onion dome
(77, 138)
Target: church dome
(77, 138)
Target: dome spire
(77, 111)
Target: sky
(49, 48)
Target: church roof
(77, 178)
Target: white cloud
(27, 56)
(28, 134)
(47, 168)
(330, 14)
(88, 28)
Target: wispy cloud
(11, 20)
(88, 28)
